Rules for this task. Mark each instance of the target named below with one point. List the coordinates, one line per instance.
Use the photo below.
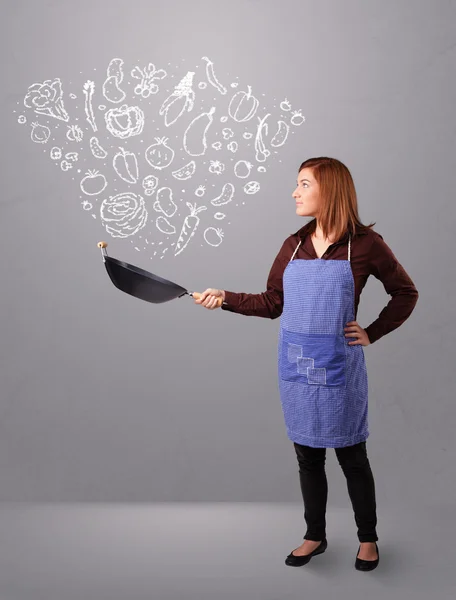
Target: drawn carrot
(189, 227)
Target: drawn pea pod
(164, 202)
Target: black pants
(314, 487)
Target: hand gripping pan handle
(143, 284)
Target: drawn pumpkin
(243, 106)
(125, 121)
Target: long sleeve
(385, 267)
(268, 304)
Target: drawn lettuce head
(46, 99)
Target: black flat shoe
(299, 561)
(366, 565)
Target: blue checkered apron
(322, 380)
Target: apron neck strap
(349, 248)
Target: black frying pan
(140, 283)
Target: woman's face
(307, 194)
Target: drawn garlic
(40, 133)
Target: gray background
(107, 398)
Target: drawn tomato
(93, 183)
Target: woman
(314, 286)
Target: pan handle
(103, 246)
(197, 295)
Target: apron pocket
(313, 358)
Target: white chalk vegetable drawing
(242, 169)
(72, 156)
(65, 165)
(164, 202)
(96, 149)
(124, 214)
(219, 216)
(159, 155)
(216, 167)
(74, 133)
(281, 136)
(261, 152)
(200, 191)
(93, 183)
(40, 133)
(212, 79)
(147, 77)
(185, 172)
(165, 226)
(217, 145)
(150, 184)
(247, 135)
(243, 106)
(226, 195)
(182, 98)
(115, 69)
(198, 144)
(46, 99)
(111, 90)
(55, 153)
(213, 236)
(21, 119)
(125, 165)
(227, 133)
(189, 227)
(232, 147)
(297, 118)
(89, 89)
(125, 121)
(285, 105)
(252, 187)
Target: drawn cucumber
(281, 136)
(96, 149)
(226, 195)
